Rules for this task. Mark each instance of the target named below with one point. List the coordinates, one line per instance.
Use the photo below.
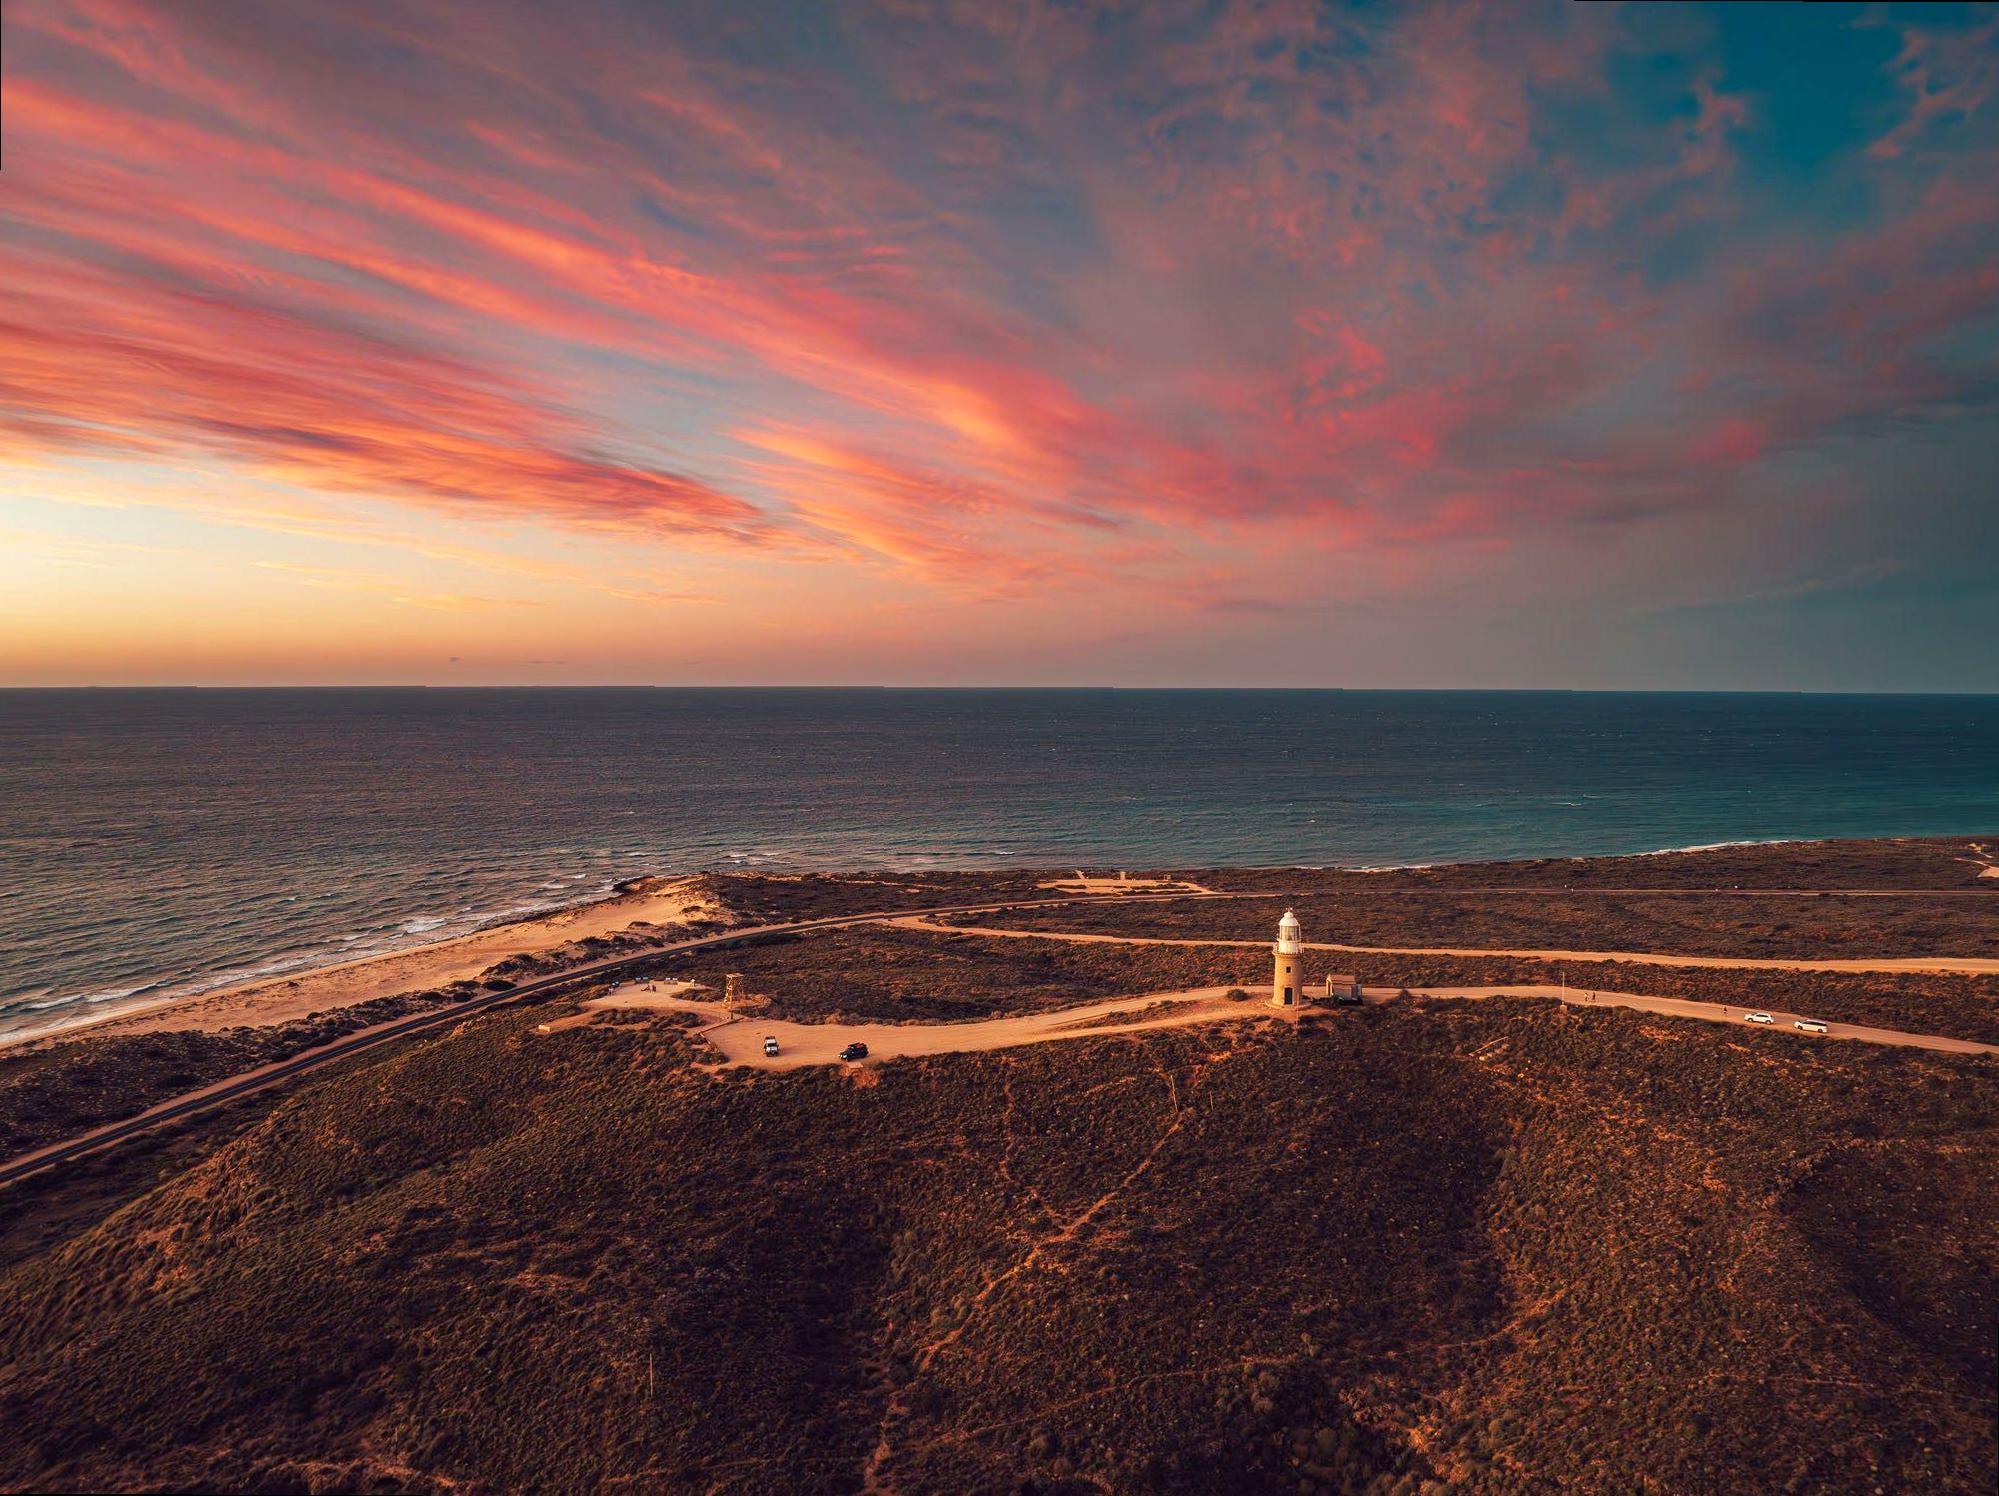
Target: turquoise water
(164, 841)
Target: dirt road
(821, 1043)
(1880, 965)
(740, 1038)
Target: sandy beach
(666, 902)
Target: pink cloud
(1059, 299)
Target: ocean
(159, 842)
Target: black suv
(854, 1051)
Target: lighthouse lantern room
(1287, 986)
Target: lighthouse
(1287, 987)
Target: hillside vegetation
(887, 972)
(1496, 1246)
(58, 1087)
(1818, 927)
(1493, 1247)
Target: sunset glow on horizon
(1532, 344)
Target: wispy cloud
(1006, 302)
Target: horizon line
(1014, 687)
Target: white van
(1810, 1026)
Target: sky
(1162, 343)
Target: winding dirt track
(741, 1037)
(894, 1039)
(1880, 965)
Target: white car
(1810, 1026)
(770, 1045)
(1757, 1018)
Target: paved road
(362, 1040)
(740, 1037)
(1879, 965)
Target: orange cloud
(1092, 301)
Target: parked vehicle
(770, 1046)
(854, 1051)
(1757, 1018)
(1810, 1026)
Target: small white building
(1342, 987)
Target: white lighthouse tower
(1287, 987)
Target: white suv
(1757, 1018)
(770, 1045)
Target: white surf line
(1879, 965)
